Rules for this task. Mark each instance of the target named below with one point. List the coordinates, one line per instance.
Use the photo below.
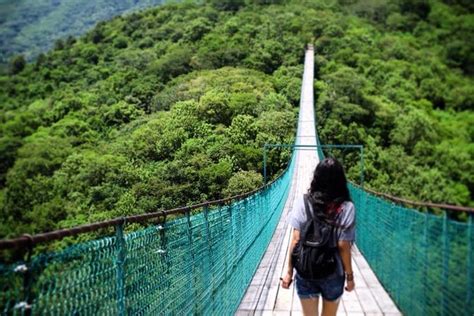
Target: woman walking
(326, 209)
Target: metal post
(24, 307)
(163, 251)
(209, 272)
(233, 248)
(223, 237)
(120, 273)
(394, 271)
(444, 282)
(361, 166)
(242, 247)
(426, 283)
(265, 164)
(192, 286)
(399, 226)
(470, 262)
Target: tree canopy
(172, 105)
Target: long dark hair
(328, 187)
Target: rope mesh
(199, 263)
(424, 261)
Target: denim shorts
(331, 288)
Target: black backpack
(314, 256)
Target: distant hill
(29, 27)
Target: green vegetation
(127, 119)
(393, 82)
(30, 27)
(172, 105)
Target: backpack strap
(315, 218)
(309, 213)
(309, 216)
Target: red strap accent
(334, 208)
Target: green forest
(30, 27)
(172, 105)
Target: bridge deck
(264, 295)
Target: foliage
(30, 27)
(127, 119)
(243, 181)
(398, 81)
(172, 105)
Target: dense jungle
(172, 105)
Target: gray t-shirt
(344, 219)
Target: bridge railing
(424, 261)
(199, 262)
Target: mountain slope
(172, 105)
(30, 27)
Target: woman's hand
(286, 280)
(350, 285)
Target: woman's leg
(330, 307)
(310, 306)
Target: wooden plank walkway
(264, 294)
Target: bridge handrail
(449, 207)
(27, 240)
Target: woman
(329, 194)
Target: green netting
(424, 261)
(200, 263)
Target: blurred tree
(17, 64)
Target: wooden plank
(384, 301)
(242, 312)
(266, 279)
(274, 289)
(284, 299)
(351, 303)
(296, 304)
(265, 296)
(370, 277)
(367, 301)
(341, 310)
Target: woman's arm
(344, 247)
(288, 278)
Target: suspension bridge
(226, 257)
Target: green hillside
(400, 82)
(30, 27)
(172, 106)
(99, 128)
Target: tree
(174, 63)
(8, 148)
(214, 107)
(242, 182)
(412, 127)
(227, 5)
(17, 64)
(120, 42)
(120, 113)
